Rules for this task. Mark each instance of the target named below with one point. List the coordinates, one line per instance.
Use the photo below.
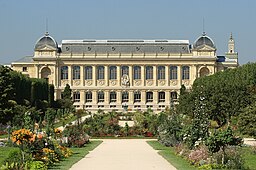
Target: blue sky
(23, 22)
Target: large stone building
(113, 74)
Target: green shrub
(14, 157)
(37, 165)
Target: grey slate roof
(27, 59)
(124, 46)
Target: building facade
(118, 74)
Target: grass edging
(168, 153)
(78, 154)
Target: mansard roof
(124, 46)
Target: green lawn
(250, 158)
(78, 154)
(4, 153)
(3, 136)
(169, 154)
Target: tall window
(174, 95)
(137, 72)
(88, 72)
(173, 73)
(137, 96)
(161, 72)
(112, 73)
(76, 72)
(125, 70)
(88, 96)
(76, 96)
(64, 72)
(125, 97)
(112, 97)
(100, 72)
(185, 73)
(149, 72)
(100, 96)
(161, 96)
(149, 96)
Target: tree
(220, 140)
(247, 121)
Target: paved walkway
(123, 154)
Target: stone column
(94, 75)
(106, 97)
(118, 75)
(131, 75)
(82, 97)
(70, 76)
(155, 98)
(167, 75)
(106, 71)
(119, 98)
(131, 99)
(82, 75)
(94, 97)
(179, 72)
(143, 75)
(155, 83)
(167, 98)
(143, 97)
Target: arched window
(149, 72)
(88, 73)
(76, 96)
(64, 72)
(204, 71)
(161, 72)
(161, 96)
(112, 97)
(100, 96)
(137, 96)
(112, 73)
(137, 72)
(125, 96)
(88, 96)
(100, 72)
(76, 72)
(185, 73)
(173, 73)
(125, 70)
(149, 96)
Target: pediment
(46, 48)
(205, 48)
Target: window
(149, 72)
(76, 72)
(125, 97)
(24, 69)
(76, 96)
(161, 72)
(100, 72)
(173, 73)
(185, 73)
(112, 97)
(100, 96)
(137, 96)
(137, 72)
(88, 97)
(88, 72)
(161, 97)
(112, 72)
(64, 72)
(174, 95)
(149, 97)
(125, 70)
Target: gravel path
(123, 154)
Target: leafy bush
(37, 165)
(14, 158)
(76, 136)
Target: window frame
(76, 72)
(88, 72)
(64, 73)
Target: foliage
(247, 119)
(199, 156)
(76, 136)
(37, 165)
(170, 128)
